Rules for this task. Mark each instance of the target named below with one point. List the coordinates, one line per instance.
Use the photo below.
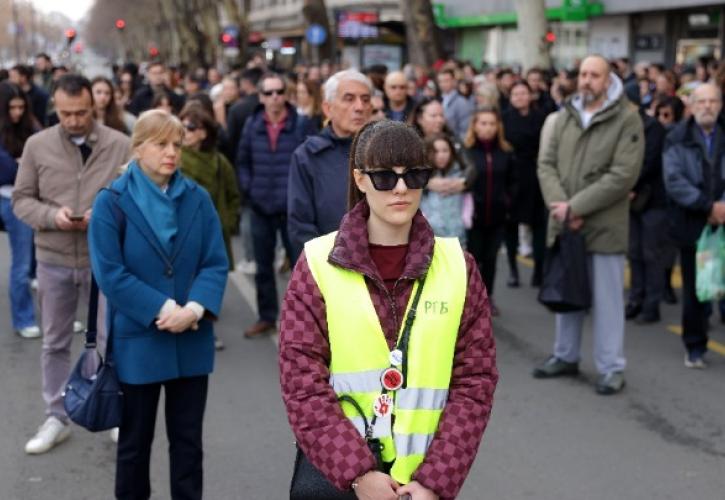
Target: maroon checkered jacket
(324, 434)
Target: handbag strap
(348, 399)
(405, 337)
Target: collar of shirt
(277, 124)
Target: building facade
(657, 31)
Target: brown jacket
(52, 175)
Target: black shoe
(555, 367)
(648, 318)
(536, 280)
(609, 384)
(632, 310)
(669, 296)
(513, 282)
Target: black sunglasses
(386, 180)
(275, 91)
(191, 127)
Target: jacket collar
(186, 210)
(327, 139)
(91, 139)
(351, 248)
(290, 119)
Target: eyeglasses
(191, 127)
(378, 110)
(273, 91)
(386, 180)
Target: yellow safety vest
(360, 353)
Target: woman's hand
(376, 485)
(177, 321)
(446, 187)
(416, 491)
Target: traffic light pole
(16, 31)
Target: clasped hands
(559, 210)
(375, 485)
(178, 320)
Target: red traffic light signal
(550, 37)
(227, 38)
(70, 35)
(153, 51)
(120, 24)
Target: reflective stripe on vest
(359, 351)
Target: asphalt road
(662, 438)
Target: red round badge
(392, 379)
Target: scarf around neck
(158, 207)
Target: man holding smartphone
(61, 170)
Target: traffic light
(70, 35)
(153, 51)
(229, 37)
(550, 37)
(120, 24)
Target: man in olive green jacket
(587, 168)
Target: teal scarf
(157, 207)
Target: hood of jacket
(351, 248)
(615, 95)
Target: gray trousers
(606, 273)
(60, 289)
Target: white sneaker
(30, 332)
(247, 267)
(113, 434)
(51, 433)
(78, 327)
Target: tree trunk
(315, 12)
(531, 15)
(422, 39)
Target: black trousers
(694, 312)
(483, 243)
(647, 243)
(185, 400)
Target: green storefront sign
(570, 10)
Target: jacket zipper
(489, 187)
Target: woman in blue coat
(158, 255)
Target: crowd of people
(631, 156)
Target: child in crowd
(444, 211)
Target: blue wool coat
(137, 277)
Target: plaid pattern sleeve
(470, 399)
(327, 438)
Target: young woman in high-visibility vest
(386, 343)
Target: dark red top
(390, 261)
(274, 129)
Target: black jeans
(185, 400)
(264, 236)
(694, 312)
(483, 243)
(647, 244)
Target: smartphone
(76, 218)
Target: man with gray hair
(694, 164)
(318, 176)
(587, 167)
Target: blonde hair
(156, 125)
(500, 139)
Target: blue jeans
(264, 236)
(20, 236)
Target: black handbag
(308, 483)
(565, 284)
(94, 400)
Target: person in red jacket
(386, 239)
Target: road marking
(711, 344)
(245, 285)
